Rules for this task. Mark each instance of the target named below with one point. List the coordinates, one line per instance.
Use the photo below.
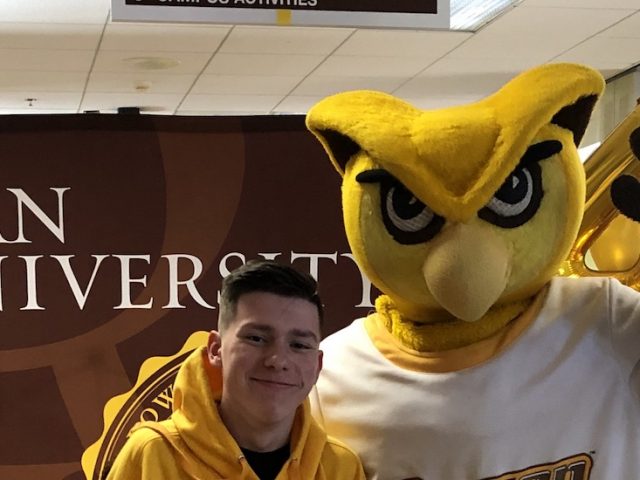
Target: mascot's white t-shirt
(562, 402)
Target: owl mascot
(478, 361)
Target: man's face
(269, 356)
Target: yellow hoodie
(194, 443)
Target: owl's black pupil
(405, 205)
(514, 189)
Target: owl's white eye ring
(406, 218)
(517, 200)
(519, 197)
(416, 221)
(519, 205)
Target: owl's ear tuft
(575, 117)
(339, 146)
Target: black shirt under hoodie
(267, 465)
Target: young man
(240, 404)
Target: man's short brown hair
(265, 276)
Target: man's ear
(214, 344)
(320, 357)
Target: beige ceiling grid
(67, 56)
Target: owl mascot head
(478, 363)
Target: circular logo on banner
(151, 399)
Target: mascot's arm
(316, 409)
(625, 302)
(625, 330)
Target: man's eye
(255, 338)
(301, 346)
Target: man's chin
(275, 410)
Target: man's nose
(278, 358)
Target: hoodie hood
(195, 416)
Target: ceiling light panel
(470, 15)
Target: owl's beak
(467, 270)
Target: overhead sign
(336, 13)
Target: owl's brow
(535, 153)
(540, 151)
(375, 175)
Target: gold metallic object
(612, 240)
(618, 247)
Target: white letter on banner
(80, 296)
(32, 290)
(270, 256)
(313, 260)
(25, 200)
(174, 302)
(366, 284)
(126, 281)
(224, 271)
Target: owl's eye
(517, 200)
(519, 197)
(407, 219)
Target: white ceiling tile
(55, 11)
(363, 66)
(221, 113)
(628, 28)
(450, 85)
(601, 4)
(554, 23)
(229, 103)
(297, 103)
(451, 66)
(316, 85)
(150, 82)
(43, 100)
(613, 51)
(158, 112)
(296, 40)
(434, 102)
(245, 84)
(167, 38)
(402, 43)
(36, 111)
(534, 48)
(43, 60)
(537, 34)
(126, 61)
(36, 81)
(605, 67)
(110, 102)
(47, 49)
(263, 64)
(50, 36)
(608, 73)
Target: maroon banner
(115, 233)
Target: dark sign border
(379, 6)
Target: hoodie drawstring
(294, 469)
(244, 467)
(185, 460)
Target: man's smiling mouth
(273, 383)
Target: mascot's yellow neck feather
(437, 335)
